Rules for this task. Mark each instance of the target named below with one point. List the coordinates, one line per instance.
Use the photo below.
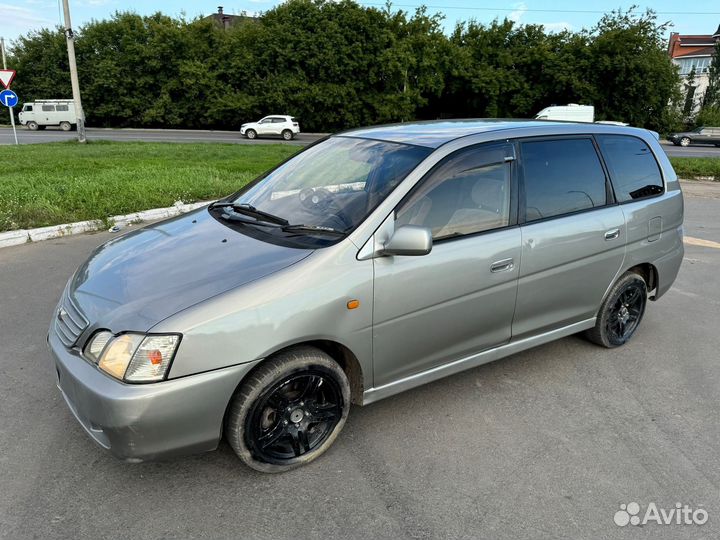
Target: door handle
(502, 266)
(612, 234)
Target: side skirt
(375, 394)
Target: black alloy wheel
(294, 417)
(289, 410)
(626, 313)
(621, 312)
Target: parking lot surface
(544, 444)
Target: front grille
(69, 321)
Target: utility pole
(12, 112)
(73, 74)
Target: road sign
(6, 77)
(8, 98)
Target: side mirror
(409, 240)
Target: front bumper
(137, 422)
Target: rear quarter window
(634, 172)
(561, 176)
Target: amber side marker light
(353, 304)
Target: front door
(264, 126)
(459, 299)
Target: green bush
(337, 64)
(709, 116)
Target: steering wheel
(315, 199)
(319, 200)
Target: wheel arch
(649, 273)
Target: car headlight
(133, 357)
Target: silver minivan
(373, 261)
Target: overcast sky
(698, 17)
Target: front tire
(251, 134)
(685, 141)
(289, 411)
(32, 126)
(287, 135)
(621, 312)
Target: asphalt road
(172, 135)
(544, 444)
(690, 151)
(148, 135)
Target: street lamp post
(73, 73)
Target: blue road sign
(8, 98)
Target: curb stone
(23, 236)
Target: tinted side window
(468, 193)
(561, 176)
(48, 108)
(28, 108)
(62, 108)
(633, 170)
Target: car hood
(136, 280)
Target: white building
(693, 51)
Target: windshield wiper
(239, 218)
(312, 229)
(250, 210)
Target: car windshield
(327, 190)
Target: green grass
(691, 168)
(50, 184)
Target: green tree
(337, 64)
(633, 78)
(709, 114)
(711, 98)
(689, 98)
(41, 62)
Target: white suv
(285, 126)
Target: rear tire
(621, 312)
(251, 134)
(288, 411)
(65, 126)
(32, 126)
(287, 135)
(685, 141)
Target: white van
(48, 112)
(570, 113)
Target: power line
(522, 9)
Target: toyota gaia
(371, 262)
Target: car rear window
(633, 170)
(561, 176)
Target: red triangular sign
(6, 77)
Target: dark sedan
(701, 135)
